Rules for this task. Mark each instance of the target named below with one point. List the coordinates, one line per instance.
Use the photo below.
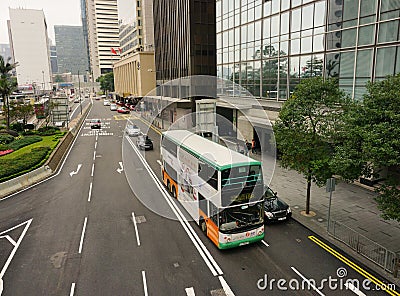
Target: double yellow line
(378, 283)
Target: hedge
(48, 130)
(6, 138)
(13, 167)
(25, 141)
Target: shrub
(48, 130)
(4, 147)
(29, 133)
(19, 127)
(29, 126)
(13, 167)
(10, 132)
(6, 139)
(25, 141)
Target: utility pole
(43, 83)
(79, 90)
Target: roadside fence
(364, 246)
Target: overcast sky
(57, 12)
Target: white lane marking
(144, 283)
(9, 238)
(306, 280)
(28, 223)
(265, 243)
(1, 286)
(53, 176)
(94, 155)
(190, 291)
(90, 191)
(136, 229)
(75, 172)
(97, 136)
(354, 289)
(159, 162)
(203, 251)
(72, 113)
(92, 170)
(71, 293)
(121, 167)
(82, 235)
(225, 286)
(95, 145)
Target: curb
(369, 265)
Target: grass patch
(47, 141)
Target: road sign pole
(330, 187)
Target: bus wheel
(173, 191)
(203, 226)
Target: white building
(103, 34)
(27, 30)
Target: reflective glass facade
(268, 46)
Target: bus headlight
(227, 238)
(289, 210)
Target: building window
(384, 62)
(388, 31)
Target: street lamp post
(43, 83)
(79, 90)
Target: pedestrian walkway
(352, 205)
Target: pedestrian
(247, 147)
(253, 146)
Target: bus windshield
(237, 218)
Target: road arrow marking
(77, 170)
(121, 168)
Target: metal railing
(369, 249)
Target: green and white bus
(221, 189)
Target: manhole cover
(219, 292)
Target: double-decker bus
(221, 189)
(42, 108)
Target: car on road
(77, 100)
(95, 123)
(123, 110)
(132, 130)
(113, 107)
(144, 143)
(275, 209)
(132, 107)
(106, 103)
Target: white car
(106, 103)
(132, 130)
(113, 107)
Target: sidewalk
(352, 205)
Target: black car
(275, 209)
(95, 123)
(144, 143)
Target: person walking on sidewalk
(247, 147)
(253, 146)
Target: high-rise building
(131, 75)
(185, 38)
(71, 52)
(53, 59)
(30, 47)
(103, 31)
(85, 31)
(5, 51)
(269, 46)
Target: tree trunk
(8, 112)
(308, 194)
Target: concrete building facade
(30, 47)
(103, 34)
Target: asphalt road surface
(87, 231)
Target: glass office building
(268, 46)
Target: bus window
(208, 174)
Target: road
(79, 236)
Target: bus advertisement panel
(221, 189)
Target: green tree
(8, 84)
(370, 142)
(305, 129)
(58, 78)
(106, 82)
